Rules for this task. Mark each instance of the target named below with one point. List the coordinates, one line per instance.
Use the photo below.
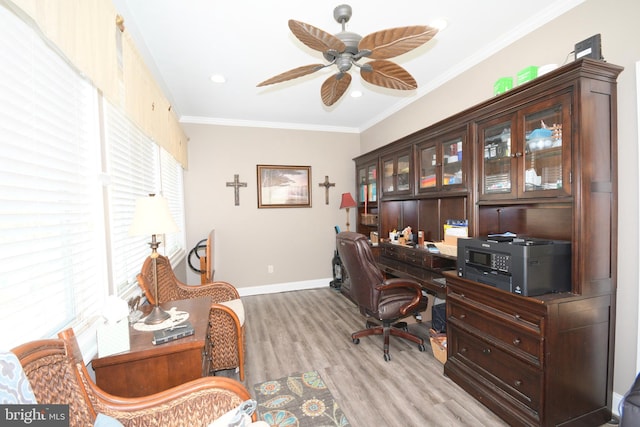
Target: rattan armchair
(58, 375)
(225, 338)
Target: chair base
(386, 330)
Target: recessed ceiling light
(217, 78)
(356, 94)
(439, 23)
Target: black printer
(524, 266)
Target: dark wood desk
(417, 264)
(146, 368)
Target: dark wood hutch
(539, 160)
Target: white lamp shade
(152, 216)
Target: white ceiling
(186, 41)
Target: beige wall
(617, 23)
(298, 242)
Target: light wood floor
(311, 330)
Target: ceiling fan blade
(292, 74)
(334, 87)
(388, 74)
(396, 41)
(315, 38)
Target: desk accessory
(152, 216)
(172, 333)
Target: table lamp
(346, 203)
(152, 216)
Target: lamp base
(156, 316)
(347, 219)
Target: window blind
(132, 162)
(51, 215)
(136, 167)
(173, 190)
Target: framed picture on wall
(284, 186)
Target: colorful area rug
(298, 400)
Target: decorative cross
(326, 184)
(236, 184)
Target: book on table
(172, 333)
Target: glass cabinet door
(397, 174)
(441, 164)
(367, 177)
(362, 184)
(533, 161)
(545, 144)
(372, 176)
(428, 168)
(403, 173)
(388, 184)
(497, 170)
(452, 162)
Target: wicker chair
(58, 375)
(225, 339)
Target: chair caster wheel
(421, 347)
(387, 357)
(356, 340)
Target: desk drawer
(417, 257)
(522, 339)
(519, 380)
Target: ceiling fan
(345, 49)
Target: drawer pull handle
(516, 341)
(517, 383)
(463, 350)
(463, 316)
(517, 316)
(486, 350)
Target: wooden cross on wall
(236, 184)
(326, 184)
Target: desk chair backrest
(362, 270)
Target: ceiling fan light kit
(345, 49)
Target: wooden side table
(146, 368)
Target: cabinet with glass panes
(441, 163)
(367, 197)
(367, 183)
(397, 174)
(527, 154)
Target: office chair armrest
(400, 283)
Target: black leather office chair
(385, 300)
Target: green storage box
(502, 85)
(527, 74)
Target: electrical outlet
(269, 268)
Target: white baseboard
(615, 404)
(284, 287)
